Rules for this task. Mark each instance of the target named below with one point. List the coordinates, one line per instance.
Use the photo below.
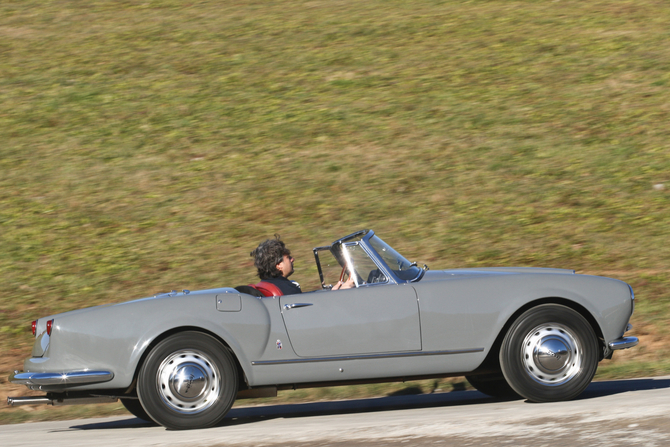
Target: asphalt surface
(627, 413)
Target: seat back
(267, 289)
(250, 290)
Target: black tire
(493, 385)
(549, 354)
(199, 402)
(134, 406)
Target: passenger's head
(273, 259)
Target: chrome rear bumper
(16, 401)
(623, 343)
(64, 378)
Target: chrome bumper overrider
(623, 343)
(66, 378)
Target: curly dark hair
(267, 255)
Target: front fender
(607, 301)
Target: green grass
(150, 145)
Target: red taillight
(50, 325)
(34, 325)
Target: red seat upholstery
(267, 289)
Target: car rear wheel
(189, 380)
(134, 406)
(549, 354)
(493, 385)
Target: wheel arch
(132, 389)
(491, 362)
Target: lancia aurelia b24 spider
(182, 358)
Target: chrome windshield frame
(362, 238)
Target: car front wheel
(189, 380)
(549, 354)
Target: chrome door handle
(296, 305)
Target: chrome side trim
(364, 357)
(623, 343)
(65, 378)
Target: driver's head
(273, 259)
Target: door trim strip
(365, 357)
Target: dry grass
(150, 145)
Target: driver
(275, 264)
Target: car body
(182, 358)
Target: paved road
(615, 413)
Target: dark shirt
(286, 286)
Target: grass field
(150, 145)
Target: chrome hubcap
(551, 354)
(188, 382)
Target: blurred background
(151, 145)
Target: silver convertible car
(182, 358)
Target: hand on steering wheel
(344, 285)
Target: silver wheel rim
(188, 381)
(552, 354)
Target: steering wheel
(375, 276)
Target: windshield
(358, 264)
(402, 268)
(364, 269)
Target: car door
(379, 318)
